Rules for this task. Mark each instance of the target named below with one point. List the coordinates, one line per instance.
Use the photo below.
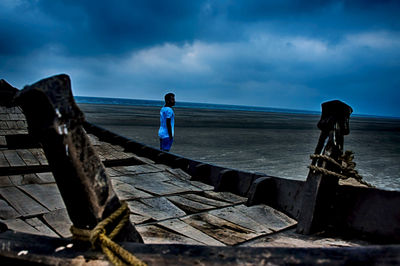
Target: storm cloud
(290, 54)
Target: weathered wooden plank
(112, 172)
(184, 229)
(46, 177)
(205, 200)
(137, 179)
(179, 173)
(189, 206)
(152, 234)
(142, 159)
(118, 148)
(16, 110)
(23, 204)
(12, 124)
(162, 167)
(225, 196)
(19, 180)
(41, 227)
(47, 194)
(17, 131)
(138, 169)
(138, 219)
(20, 226)
(13, 158)
(220, 229)
(290, 239)
(111, 152)
(3, 125)
(3, 141)
(106, 150)
(157, 208)
(117, 155)
(121, 155)
(127, 192)
(184, 184)
(59, 221)
(6, 211)
(28, 157)
(94, 140)
(39, 154)
(21, 116)
(273, 219)
(5, 181)
(202, 185)
(235, 216)
(13, 116)
(3, 160)
(21, 124)
(100, 153)
(112, 147)
(152, 183)
(160, 188)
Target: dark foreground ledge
(20, 249)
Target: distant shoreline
(208, 106)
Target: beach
(276, 144)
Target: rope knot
(345, 167)
(98, 237)
(95, 235)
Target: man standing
(167, 121)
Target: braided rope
(326, 158)
(98, 237)
(327, 172)
(345, 164)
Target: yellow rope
(97, 236)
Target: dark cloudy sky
(287, 53)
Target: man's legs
(166, 143)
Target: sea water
(138, 102)
(273, 141)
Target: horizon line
(240, 107)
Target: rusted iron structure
(319, 204)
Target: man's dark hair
(168, 96)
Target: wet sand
(272, 143)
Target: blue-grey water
(273, 141)
(137, 102)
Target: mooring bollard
(320, 187)
(56, 122)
